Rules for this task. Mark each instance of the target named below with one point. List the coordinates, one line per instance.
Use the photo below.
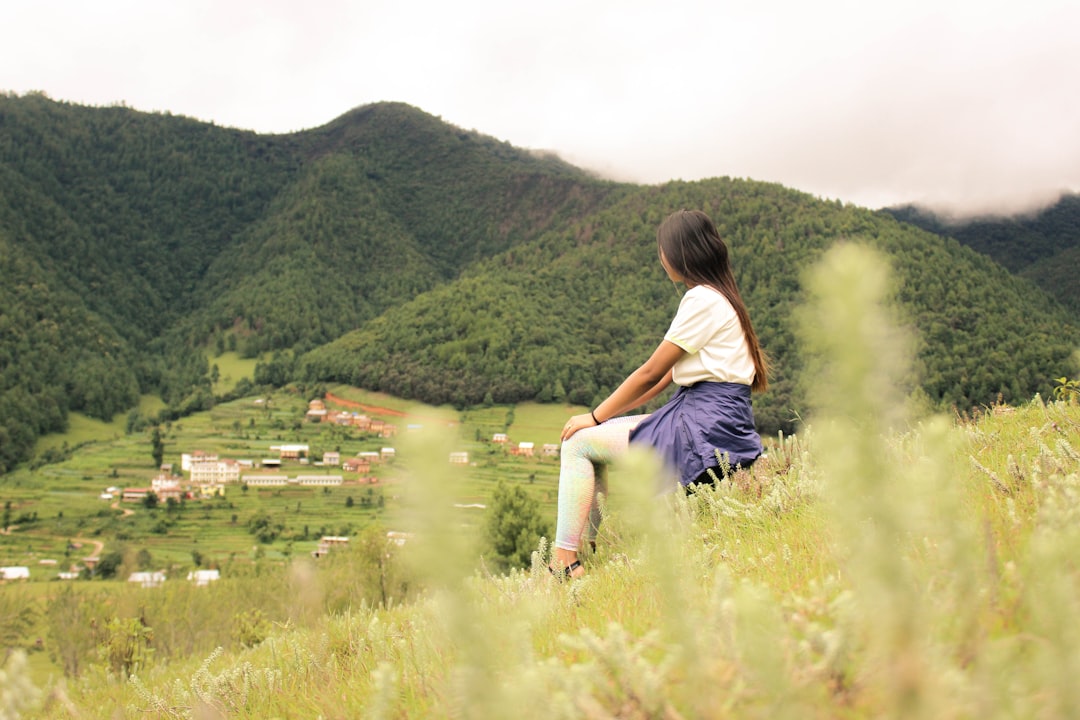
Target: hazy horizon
(962, 107)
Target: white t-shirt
(708, 329)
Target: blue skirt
(698, 422)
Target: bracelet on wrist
(593, 414)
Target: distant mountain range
(1043, 247)
(393, 251)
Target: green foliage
(906, 581)
(71, 616)
(1067, 389)
(575, 311)
(1043, 246)
(17, 691)
(125, 645)
(514, 526)
(157, 447)
(264, 527)
(108, 564)
(250, 627)
(369, 572)
(18, 614)
(395, 252)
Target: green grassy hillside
(878, 564)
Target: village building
(316, 411)
(135, 494)
(398, 538)
(331, 458)
(361, 422)
(148, 579)
(215, 471)
(500, 438)
(550, 450)
(11, 573)
(166, 487)
(265, 480)
(186, 459)
(327, 543)
(202, 578)
(524, 449)
(209, 490)
(459, 458)
(356, 465)
(318, 480)
(292, 451)
(387, 453)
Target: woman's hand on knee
(577, 422)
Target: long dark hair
(692, 247)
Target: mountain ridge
(1042, 246)
(132, 242)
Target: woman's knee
(576, 445)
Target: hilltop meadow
(882, 562)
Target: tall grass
(878, 564)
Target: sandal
(567, 572)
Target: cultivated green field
(232, 368)
(56, 503)
(57, 518)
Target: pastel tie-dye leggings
(583, 475)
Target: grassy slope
(860, 571)
(753, 584)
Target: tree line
(393, 251)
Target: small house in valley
(19, 572)
(148, 579)
(202, 578)
(327, 543)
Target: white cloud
(961, 104)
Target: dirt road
(126, 511)
(375, 409)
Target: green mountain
(396, 252)
(568, 316)
(1043, 247)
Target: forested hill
(1043, 246)
(397, 252)
(567, 316)
(129, 241)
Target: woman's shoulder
(706, 295)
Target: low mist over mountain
(1043, 246)
(393, 251)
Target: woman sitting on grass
(710, 351)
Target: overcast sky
(972, 105)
